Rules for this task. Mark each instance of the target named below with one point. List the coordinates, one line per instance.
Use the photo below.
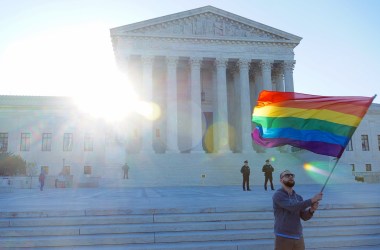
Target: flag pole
(332, 170)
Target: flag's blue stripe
(317, 147)
(303, 135)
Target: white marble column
(196, 106)
(266, 69)
(222, 110)
(278, 78)
(288, 75)
(246, 109)
(172, 106)
(147, 80)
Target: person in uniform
(268, 170)
(246, 171)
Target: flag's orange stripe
(341, 107)
(316, 102)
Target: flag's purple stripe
(314, 146)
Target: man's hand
(314, 206)
(317, 198)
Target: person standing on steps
(125, 170)
(268, 170)
(246, 171)
(41, 179)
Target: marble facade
(208, 64)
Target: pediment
(206, 22)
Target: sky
(63, 47)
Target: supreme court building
(204, 69)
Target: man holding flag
(289, 208)
(320, 124)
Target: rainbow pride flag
(321, 124)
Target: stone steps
(340, 226)
(329, 243)
(329, 237)
(48, 230)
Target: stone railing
(10, 182)
(88, 182)
(368, 177)
(51, 181)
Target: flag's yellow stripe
(326, 115)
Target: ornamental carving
(289, 65)
(221, 63)
(156, 43)
(172, 61)
(266, 65)
(244, 63)
(195, 62)
(206, 25)
(147, 60)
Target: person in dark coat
(41, 179)
(246, 171)
(125, 170)
(268, 170)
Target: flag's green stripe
(304, 124)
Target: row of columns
(221, 111)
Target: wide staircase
(340, 227)
(218, 170)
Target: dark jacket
(41, 178)
(245, 170)
(268, 169)
(288, 210)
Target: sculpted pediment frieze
(206, 25)
(206, 22)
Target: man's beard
(289, 183)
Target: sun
(115, 100)
(111, 100)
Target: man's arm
(308, 213)
(283, 201)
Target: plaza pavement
(172, 199)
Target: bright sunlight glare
(66, 61)
(75, 61)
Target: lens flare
(149, 110)
(208, 142)
(318, 171)
(221, 130)
(311, 168)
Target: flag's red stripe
(318, 102)
(350, 108)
